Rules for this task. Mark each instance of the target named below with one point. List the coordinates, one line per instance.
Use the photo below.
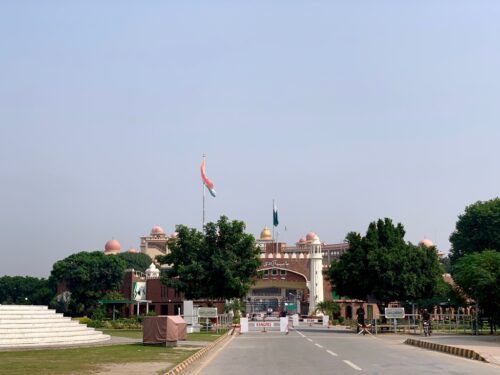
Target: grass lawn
(137, 334)
(87, 360)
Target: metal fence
(220, 323)
(442, 323)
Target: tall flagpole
(274, 238)
(203, 225)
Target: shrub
(96, 323)
(84, 320)
(341, 319)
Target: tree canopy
(220, 263)
(477, 229)
(383, 265)
(137, 261)
(88, 276)
(25, 290)
(479, 276)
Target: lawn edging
(199, 354)
(453, 350)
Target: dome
(132, 250)
(302, 240)
(311, 236)
(426, 243)
(152, 271)
(266, 234)
(157, 230)
(112, 246)
(174, 235)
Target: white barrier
(295, 320)
(284, 325)
(243, 325)
(325, 321)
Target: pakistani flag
(275, 215)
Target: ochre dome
(266, 234)
(157, 230)
(132, 250)
(112, 246)
(426, 243)
(311, 236)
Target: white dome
(152, 271)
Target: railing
(221, 322)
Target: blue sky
(342, 111)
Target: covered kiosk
(163, 330)
(176, 322)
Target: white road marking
(309, 340)
(332, 353)
(300, 333)
(352, 365)
(319, 346)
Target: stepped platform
(29, 326)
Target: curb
(453, 350)
(199, 354)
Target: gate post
(243, 325)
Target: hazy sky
(342, 111)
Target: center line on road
(310, 340)
(332, 353)
(319, 346)
(352, 365)
(301, 334)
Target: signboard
(263, 324)
(139, 291)
(394, 312)
(207, 312)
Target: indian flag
(209, 184)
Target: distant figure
(360, 312)
(283, 314)
(269, 311)
(426, 321)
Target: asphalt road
(329, 352)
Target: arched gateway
(291, 278)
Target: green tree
(382, 264)
(137, 261)
(446, 264)
(444, 294)
(88, 276)
(220, 263)
(25, 290)
(479, 276)
(477, 229)
(329, 308)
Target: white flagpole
(203, 225)
(274, 238)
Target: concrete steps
(26, 326)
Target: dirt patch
(143, 368)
